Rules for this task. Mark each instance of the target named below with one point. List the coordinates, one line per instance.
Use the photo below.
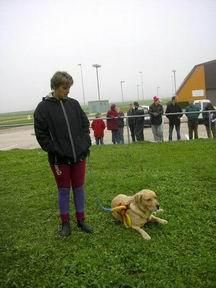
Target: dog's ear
(138, 198)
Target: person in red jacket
(98, 127)
(113, 123)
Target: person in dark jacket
(62, 130)
(192, 114)
(112, 123)
(209, 120)
(139, 122)
(131, 121)
(174, 120)
(156, 112)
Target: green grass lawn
(180, 254)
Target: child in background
(98, 127)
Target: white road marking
(8, 147)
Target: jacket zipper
(69, 131)
(52, 140)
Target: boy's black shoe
(65, 229)
(85, 228)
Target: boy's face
(62, 91)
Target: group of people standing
(209, 117)
(173, 113)
(115, 123)
(136, 118)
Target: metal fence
(12, 136)
(148, 134)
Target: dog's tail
(109, 209)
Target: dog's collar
(122, 211)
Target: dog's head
(147, 200)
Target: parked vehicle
(201, 104)
(147, 120)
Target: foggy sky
(37, 38)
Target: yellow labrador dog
(139, 208)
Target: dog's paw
(146, 237)
(158, 211)
(163, 222)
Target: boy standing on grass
(98, 127)
(62, 130)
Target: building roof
(212, 62)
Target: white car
(147, 120)
(201, 104)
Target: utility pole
(141, 75)
(174, 78)
(121, 82)
(138, 91)
(83, 91)
(96, 66)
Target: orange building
(200, 83)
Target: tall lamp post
(83, 91)
(172, 85)
(141, 75)
(138, 91)
(121, 82)
(96, 66)
(174, 78)
(158, 91)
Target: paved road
(24, 138)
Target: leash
(121, 209)
(99, 202)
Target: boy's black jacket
(53, 132)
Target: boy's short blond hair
(61, 78)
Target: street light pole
(172, 85)
(121, 82)
(83, 91)
(174, 78)
(141, 75)
(138, 91)
(98, 88)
